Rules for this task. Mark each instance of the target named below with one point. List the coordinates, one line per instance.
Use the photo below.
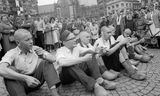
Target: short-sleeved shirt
(65, 53)
(103, 43)
(121, 37)
(24, 63)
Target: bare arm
(113, 49)
(71, 61)
(6, 72)
(49, 57)
(88, 51)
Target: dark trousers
(112, 61)
(40, 39)
(86, 73)
(44, 72)
(118, 31)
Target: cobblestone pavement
(126, 87)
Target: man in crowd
(85, 44)
(115, 56)
(81, 67)
(26, 67)
(118, 23)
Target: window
(109, 8)
(4, 8)
(113, 11)
(130, 4)
(1, 8)
(117, 5)
(112, 6)
(122, 4)
(126, 4)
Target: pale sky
(82, 2)
(45, 2)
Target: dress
(48, 35)
(55, 33)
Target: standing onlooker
(104, 22)
(39, 26)
(55, 32)
(129, 22)
(118, 23)
(156, 20)
(47, 35)
(94, 32)
(140, 25)
(7, 34)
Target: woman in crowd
(55, 32)
(47, 35)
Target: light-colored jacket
(156, 18)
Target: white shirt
(65, 53)
(84, 47)
(103, 43)
(24, 63)
(121, 37)
(119, 19)
(39, 25)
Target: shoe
(109, 85)
(138, 76)
(109, 75)
(115, 72)
(151, 55)
(132, 72)
(100, 91)
(145, 58)
(134, 62)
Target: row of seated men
(26, 67)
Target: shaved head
(106, 29)
(127, 30)
(83, 34)
(20, 34)
(23, 39)
(85, 37)
(106, 32)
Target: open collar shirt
(24, 63)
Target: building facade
(77, 8)
(47, 10)
(4, 7)
(23, 7)
(107, 7)
(114, 5)
(30, 7)
(102, 7)
(148, 2)
(67, 8)
(88, 11)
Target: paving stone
(133, 94)
(139, 93)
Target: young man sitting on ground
(26, 67)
